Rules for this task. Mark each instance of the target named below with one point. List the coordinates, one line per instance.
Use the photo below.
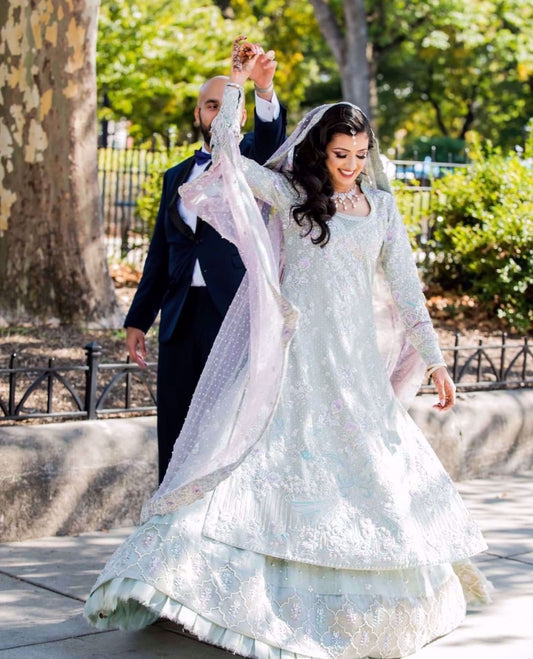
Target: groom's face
(208, 106)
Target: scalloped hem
(131, 605)
(135, 605)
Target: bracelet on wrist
(234, 84)
(264, 90)
(432, 368)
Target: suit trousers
(180, 364)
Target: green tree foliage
(306, 73)
(467, 66)
(484, 239)
(153, 55)
(438, 67)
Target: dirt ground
(66, 344)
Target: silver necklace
(344, 198)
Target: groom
(191, 273)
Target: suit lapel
(199, 221)
(172, 208)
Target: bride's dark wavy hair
(309, 172)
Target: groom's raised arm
(270, 118)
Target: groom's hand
(262, 75)
(136, 346)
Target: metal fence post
(94, 353)
(502, 355)
(50, 379)
(127, 400)
(455, 367)
(12, 384)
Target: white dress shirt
(266, 111)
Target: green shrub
(483, 241)
(150, 195)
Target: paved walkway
(43, 584)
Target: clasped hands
(249, 61)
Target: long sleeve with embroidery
(400, 270)
(266, 185)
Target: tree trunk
(52, 257)
(373, 65)
(355, 74)
(349, 47)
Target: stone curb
(79, 476)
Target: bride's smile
(345, 159)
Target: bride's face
(345, 159)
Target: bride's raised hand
(243, 58)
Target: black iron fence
(91, 390)
(122, 173)
(503, 364)
(97, 389)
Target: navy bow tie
(201, 157)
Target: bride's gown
(340, 534)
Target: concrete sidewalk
(43, 584)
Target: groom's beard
(206, 132)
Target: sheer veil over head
(238, 391)
(282, 159)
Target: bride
(303, 513)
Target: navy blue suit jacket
(174, 247)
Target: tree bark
(356, 74)
(349, 47)
(52, 256)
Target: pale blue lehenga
(333, 531)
